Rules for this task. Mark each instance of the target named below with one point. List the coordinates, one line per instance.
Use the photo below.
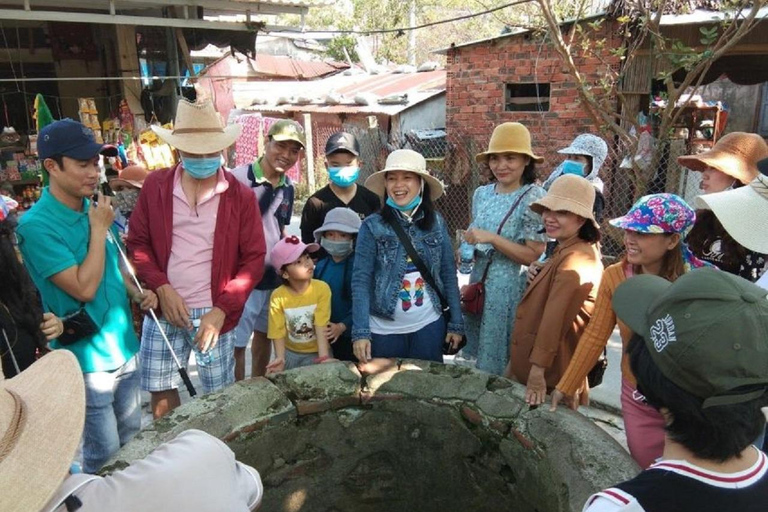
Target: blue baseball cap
(70, 138)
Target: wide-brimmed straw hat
(404, 160)
(133, 175)
(736, 155)
(42, 412)
(509, 138)
(743, 212)
(569, 193)
(198, 129)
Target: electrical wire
(418, 27)
(10, 59)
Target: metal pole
(181, 369)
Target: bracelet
(321, 359)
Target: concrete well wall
(406, 435)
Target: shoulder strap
(504, 221)
(416, 259)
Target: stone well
(406, 436)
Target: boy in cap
(337, 236)
(700, 356)
(196, 239)
(273, 193)
(69, 247)
(342, 159)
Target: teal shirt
(52, 238)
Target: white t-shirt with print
(414, 308)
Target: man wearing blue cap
(71, 254)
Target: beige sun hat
(198, 129)
(569, 193)
(743, 212)
(509, 138)
(42, 413)
(133, 175)
(736, 155)
(404, 160)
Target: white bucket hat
(743, 212)
(42, 413)
(198, 129)
(404, 160)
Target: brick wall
(476, 78)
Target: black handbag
(77, 326)
(595, 375)
(448, 349)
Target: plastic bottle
(202, 358)
(466, 257)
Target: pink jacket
(238, 244)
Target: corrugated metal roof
(293, 68)
(418, 86)
(266, 66)
(702, 16)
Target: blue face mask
(410, 206)
(338, 248)
(573, 167)
(343, 176)
(201, 167)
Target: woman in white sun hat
(730, 164)
(743, 213)
(396, 312)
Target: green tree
(342, 46)
(680, 66)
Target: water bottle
(202, 358)
(466, 257)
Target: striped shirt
(683, 487)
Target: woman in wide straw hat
(730, 164)
(42, 413)
(396, 312)
(654, 229)
(559, 302)
(502, 246)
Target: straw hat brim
(723, 161)
(483, 157)
(375, 183)
(200, 143)
(742, 212)
(115, 181)
(558, 203)
(53, 397)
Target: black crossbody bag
(427, 275)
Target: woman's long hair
(672, 264)
(17, 292)
(427, 207)
(707, 229)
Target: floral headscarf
(588, 145)
(662, 213)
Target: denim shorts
(255, 317)
(158, 369)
